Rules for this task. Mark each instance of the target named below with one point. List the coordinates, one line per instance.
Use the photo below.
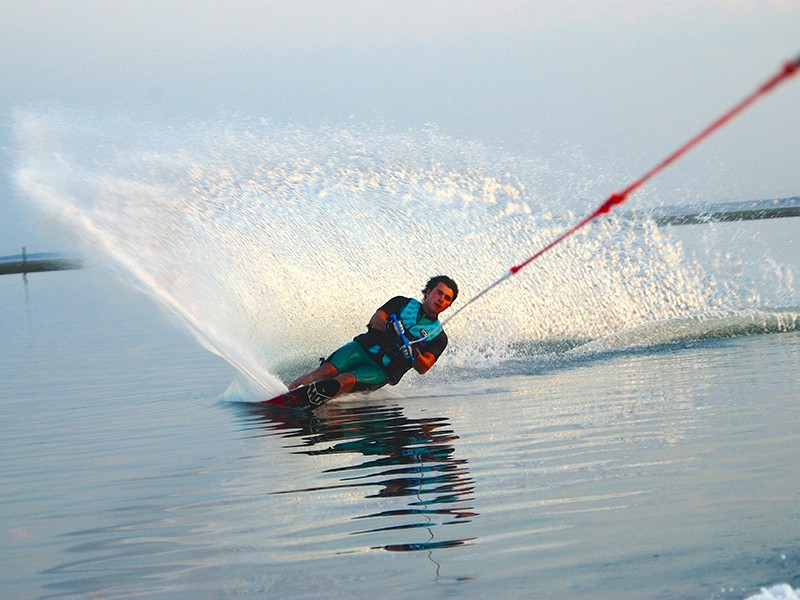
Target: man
(380, 356)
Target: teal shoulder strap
(417, 327)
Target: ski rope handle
(402, 335)
(788, 69)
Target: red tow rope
(789, 69)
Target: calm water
(661, 472)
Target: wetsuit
(374, 357)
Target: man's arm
(423, 362)
(378, 320)
(430, 354)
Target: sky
(625, 81)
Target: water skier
(382, 355)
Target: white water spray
(275, 244)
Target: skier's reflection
(404, 458)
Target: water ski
(307, 396)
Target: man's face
(437, 300)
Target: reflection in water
(406, 458)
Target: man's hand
(409, 352)
(395, 328)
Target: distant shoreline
(38, 262)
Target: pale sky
(625, 80)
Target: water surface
(665, 472)
(619, 421)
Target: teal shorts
(352, 358)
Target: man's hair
(434, 281)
